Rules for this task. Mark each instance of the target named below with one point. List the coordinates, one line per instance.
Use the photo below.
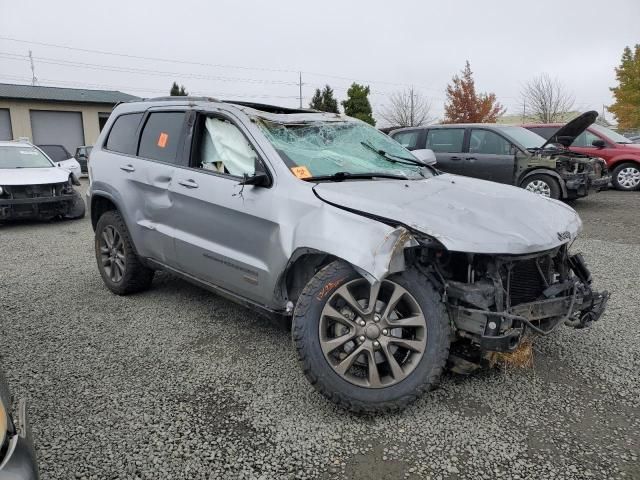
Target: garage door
(5, 125)
(57, 128)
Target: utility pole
(524, 110)
(34, 79)
(412, 116)
(300, 85)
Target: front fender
(373, 248)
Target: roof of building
(58, 94)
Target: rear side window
(408, 139)
(161, 135)
(57, 153)
(122, 137)
(447, 140)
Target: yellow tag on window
(301, 172)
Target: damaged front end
(36, 201)
(582, 173)
(494, 301)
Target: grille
(35, 191)
(526, 282)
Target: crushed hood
(32, 176)
(568, 133)
(464, 214)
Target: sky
(255, 50)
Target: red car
(620, 153)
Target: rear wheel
(542, 184)
(626, 177)
(118, 263)
(370, 348)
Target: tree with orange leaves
(465, 106)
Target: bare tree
(407, 108)
(546, 99)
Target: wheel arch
(101, 203)
(545, 171)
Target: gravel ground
(178, 383)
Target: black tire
(333, 386)
(136, 277)
(78, 208)
(535, 182)
(631, 167)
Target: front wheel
(368, 348)
(542, 184)
(626, 177)
(77, 209)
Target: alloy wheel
(540, 187)
(112, 253)
(629, 177)
(372, 336)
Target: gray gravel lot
(178, 383)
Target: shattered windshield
(22, 157)
(319, 149)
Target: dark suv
(508, 154)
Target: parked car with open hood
(17, 455)
(32, 186)
(508, 154)
(383, 264)
(585, 137)
(61, 157)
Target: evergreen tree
(324, 100)
(178, 90)
(627, 94)
(465, 106)
(357, 103)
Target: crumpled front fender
(373, 248)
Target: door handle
(456, 158)
(188, 183)
(128, 168)
(471, 159)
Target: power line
(142, 71)
(215, 65)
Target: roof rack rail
(178, 98)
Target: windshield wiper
(391, 157)
(341, 176)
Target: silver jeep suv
(386, 267)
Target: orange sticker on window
(301, 172)
(163, 139)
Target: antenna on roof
(34, 79)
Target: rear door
(490, 156)
(226, 234)
(447, 144)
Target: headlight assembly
(1, 191)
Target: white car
(61, 157)
(32, 186)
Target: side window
(585, 139)
(161, 135)
(225, 149)
(486, 141)
(122, 137)
(447, 140)
(408, 139)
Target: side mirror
(259, 179)
(425, 155)
(598, 143)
